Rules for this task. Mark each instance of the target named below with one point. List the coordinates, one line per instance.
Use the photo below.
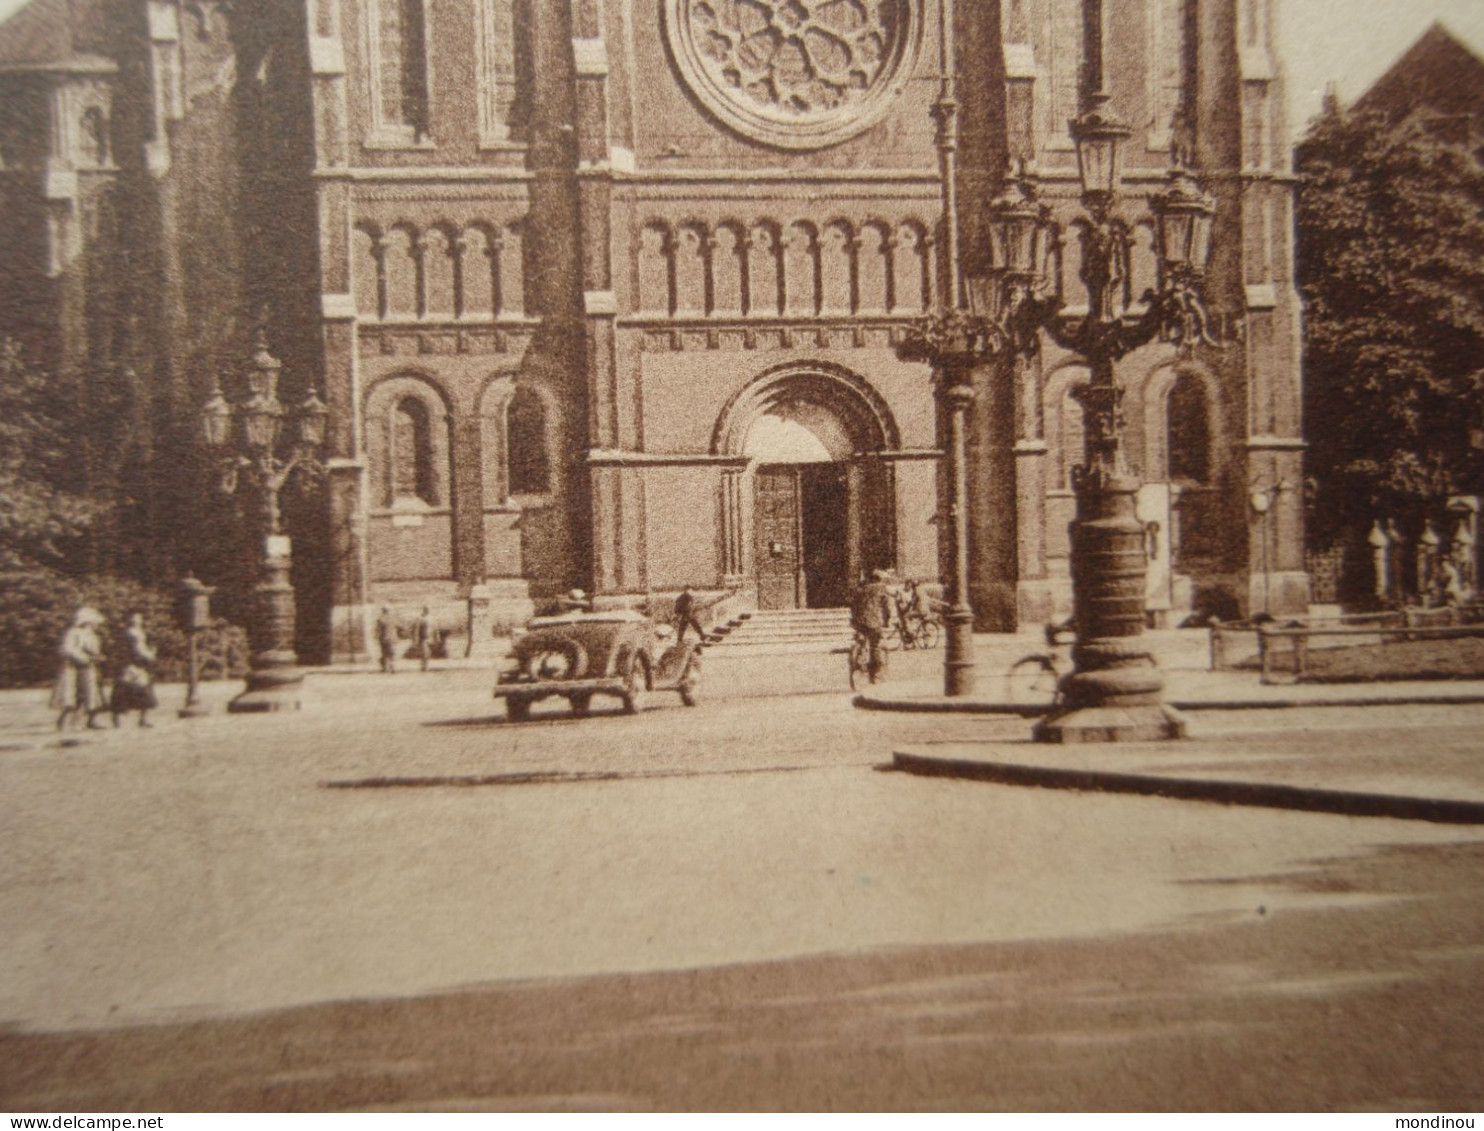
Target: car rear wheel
(634, 685)
(581, 701)
(517, 710)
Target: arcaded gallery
(613, 294)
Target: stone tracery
(796, 57)
(798, 73)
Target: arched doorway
(821, 497)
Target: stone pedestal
(480, 623)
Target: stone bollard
(1380, 545)
(481, 640)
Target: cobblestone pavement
(395, 898)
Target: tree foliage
(1391, 267)
(42, 515)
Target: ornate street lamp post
(1115, 691)
(274, 681)
(953, 342)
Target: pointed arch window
(399, 70)
(528, 462)
(1189, 433)
(410, 465)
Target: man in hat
(870, 614)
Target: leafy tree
(43, 516)
(1391, 268)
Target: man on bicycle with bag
(870, 614)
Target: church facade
(609, 293)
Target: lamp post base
(958, 657)
(270, 689)
(1115, 691)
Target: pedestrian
(134, 689)
(77, 691)
(424, 635)
(386, 639)
(870, 614)
(684, 616)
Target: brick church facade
(608, 293)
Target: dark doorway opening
(802, 536)
(825, 505)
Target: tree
(43, 515)
(1391, 268)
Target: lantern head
(1099, 135)
(261, 417)
(1018, 227)
(1184, 214)
(216, 419)
(311, 418)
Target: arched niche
(836, 268)
(728, 270)
(407, 444)
(910, 269)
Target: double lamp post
(1115, 690)
(254, 450)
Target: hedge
(37, 605)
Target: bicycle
(860, 661)
(909, 631)
(912, 628)
(1049, 666)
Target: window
(411, 459)
(500, 112)
(399, 59)
(1190, 433)
(529, 468)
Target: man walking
(870, 613)
(685, 616)
(386, 639)
(423, 635)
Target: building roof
(52, 34)
(1439, 75)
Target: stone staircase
(783, 631)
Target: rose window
(799, 73)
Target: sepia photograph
(742, 556)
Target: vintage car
(581, 654)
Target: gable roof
(1439, 74)
(48, 34)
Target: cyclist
(870, 614)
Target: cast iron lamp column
(274, 681)
(1114, 693)
(954, 342)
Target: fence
(1398, 644)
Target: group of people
(425, 638)
(78, 691)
